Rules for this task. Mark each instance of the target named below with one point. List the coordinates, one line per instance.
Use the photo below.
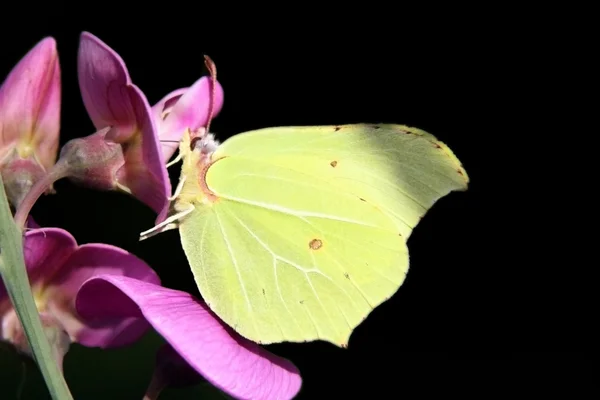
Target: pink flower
(30, 100)
(121, 113)
(185, 109)
(102, 296)
(57, 268)
(232, 363)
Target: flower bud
(19, 175)
(93, 161)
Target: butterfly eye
(194, 142)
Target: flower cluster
(96, 294)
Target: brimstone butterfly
(298, 233)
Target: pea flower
(57, 267)
(30, 100)
(235, 365)
(186, 108)
(125, 152)
(121, 112)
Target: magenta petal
(144, 172)
(190, 111)
(104, 81)
(234, 364)
(47, 129)
(30, 103)
(91, 260)
(45, 251)
(160, 111)
(164, 106)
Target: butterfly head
(199, 142)
(205, 143)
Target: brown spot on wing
(333, 163)
(337, 128)
(315, 244)
(346, 275)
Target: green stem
(58, 171)
(14, 275)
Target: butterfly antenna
(212, 68)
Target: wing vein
(202, 263)
(237, 270)
(275, 259)
(319, 299)
(283, 210)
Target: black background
(474, 317)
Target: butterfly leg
(175, 160)
(166, 225)
(178, 188)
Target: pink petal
(45, 251)
(144, 172)
(104, 81)
(190, 111)
(166, 104)
(88, 261)
(30, 103)
(234, 364)
(160, 111)
(48, 120)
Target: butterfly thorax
(196, 162)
